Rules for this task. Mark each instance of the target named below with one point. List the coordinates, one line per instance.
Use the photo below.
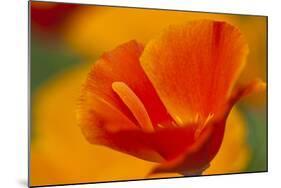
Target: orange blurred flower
(167, 102)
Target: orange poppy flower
(167, 102)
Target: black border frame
(132, 7)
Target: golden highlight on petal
(134, 104)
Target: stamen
(174, 124)
(210, 116)
(196, 119)
(160, 126)
(134, 104)
(178, 120)
(201, 126)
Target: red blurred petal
(48, 17)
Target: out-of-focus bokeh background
(67, 38)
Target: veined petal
(193, 67)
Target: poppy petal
(100, 122)
(101, 112)
(193, 67)
(242, 91)
(115, 130)
(198, 156)
(158, 141)
(122, 65)
(103, 124)
(194, 161)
